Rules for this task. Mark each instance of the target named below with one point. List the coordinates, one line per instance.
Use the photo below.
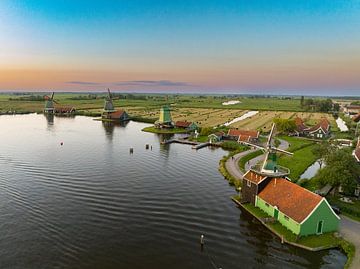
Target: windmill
(49, 103)
(109, 106)
(269, 166)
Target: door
(320, 227)
(276, 212)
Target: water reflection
(109, 127)
(49, 119)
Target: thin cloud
(152, 83)
(83, 83)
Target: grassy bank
(222, 168)
(152, 129)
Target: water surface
(90, 204)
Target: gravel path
(350, 230)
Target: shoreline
(345, 246)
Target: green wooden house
(298, 209)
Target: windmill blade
(109, 93)
(253, 145)
(283, 151)
(268, 144)
(52, 95)
(56, 102)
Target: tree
(322, 150)
(285, 125)
(341, 169)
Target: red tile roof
(253, 177)
(117, 114)
(291, 199)
(183, 124)
(356, 118)
(324, 124)
(252, 134)
(300, 126)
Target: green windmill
(165, 120)
(270, 166)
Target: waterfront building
(191, 126)
(216, 137)
(268, 187)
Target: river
(90, 204)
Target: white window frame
(248, 183)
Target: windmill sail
(270, 165)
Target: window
(267, 204)
(286, 217)
(248, 183)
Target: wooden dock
(180, 141)
(195, 145)
(202, 145)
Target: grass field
(204, 110)
(303, 156)
(264, 119)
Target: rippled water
(90, 204)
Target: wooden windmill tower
(165, 120)
(270, 167)
(109, 111)
(49, 104)
(109, 106)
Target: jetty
(195, 145)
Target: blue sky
(225, 46)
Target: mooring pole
(202, 242)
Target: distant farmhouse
(300, 127)
(110, 113)
(165, 120)
(296, 208)
(351, 109)
(243, 136)
(191, 126)
(320, 130)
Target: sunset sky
(288, 47)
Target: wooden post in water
(202, 242)
(131, 150)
